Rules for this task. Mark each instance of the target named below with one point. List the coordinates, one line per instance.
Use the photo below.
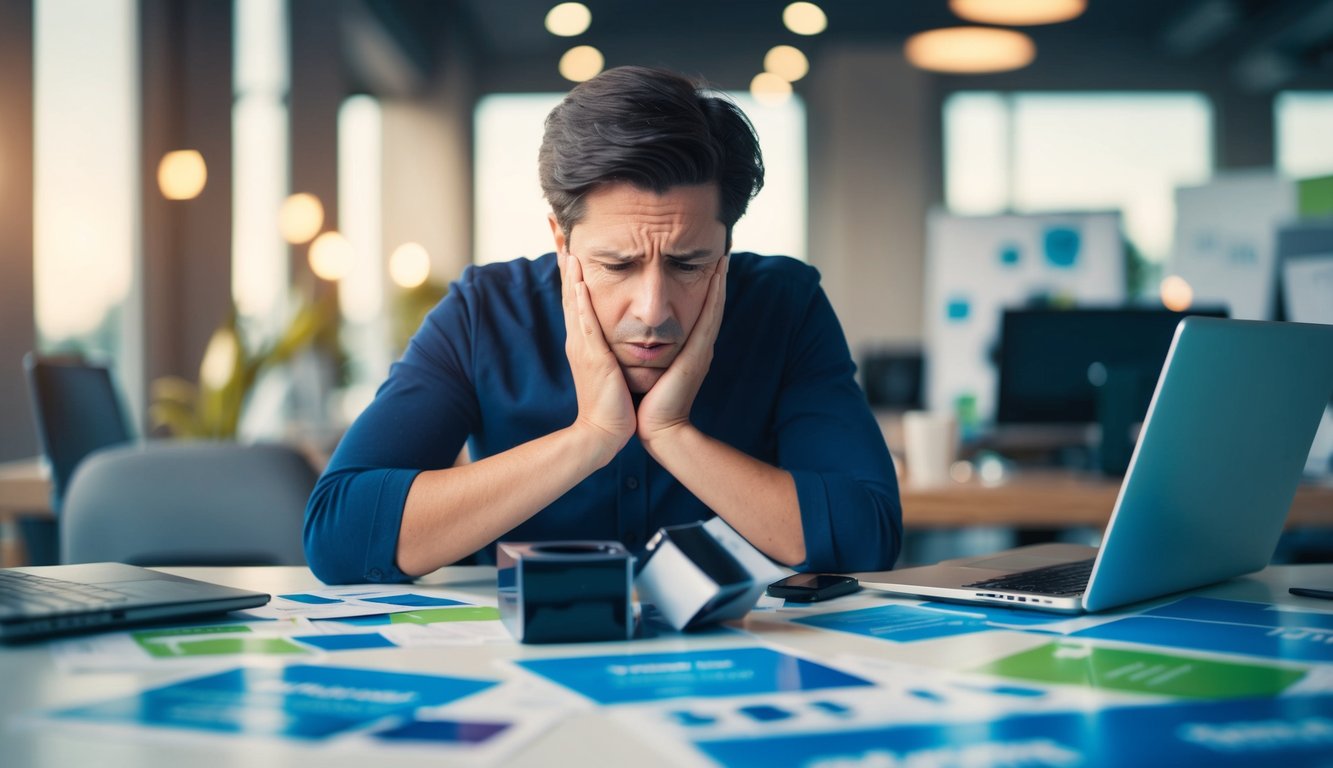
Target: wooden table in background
(25, 491)
(1058, 499)
(1029, 499)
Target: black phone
(809, 587)
(1322, 594)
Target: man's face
(646, 259)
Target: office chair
(77, 411)
(188, 503)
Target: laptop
(43, 601)
(1208, 487)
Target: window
(1304, 125)
(260, 157)
(361, 295)
(1044, 152)
(510, 215)
(86, 209)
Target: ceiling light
(770, 89)
(804, 18)
(1019, 13)
(300, 218)
(181, 174)
(786, 62)
(970, 50)
(331, 256)
(568, 19)
(1177, 295)
(409, 266)
(580, 63)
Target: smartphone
(809, 587)
(1322, 594)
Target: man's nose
(650, 298)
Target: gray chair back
(188, 503)
(76, 410)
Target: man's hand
(667, 405)
(605, 407)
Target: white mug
(931, 440)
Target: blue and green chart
(301, 702)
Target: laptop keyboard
(23, 593)
(1061, 580)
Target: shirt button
(375, 574)
(632, 483)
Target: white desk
(31, 681)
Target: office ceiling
(1262, 44)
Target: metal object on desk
(565, 591)
(693, 580)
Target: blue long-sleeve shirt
(488, 367)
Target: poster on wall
(976, 266)
(1225, 240)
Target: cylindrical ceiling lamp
(1018, 13)
(970, 50)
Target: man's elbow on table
(345, 548)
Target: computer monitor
(1053, 362)
(892, 378)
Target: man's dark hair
(653, 129)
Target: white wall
(872, 130)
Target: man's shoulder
(771, 271)
(518, 275)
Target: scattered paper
(459, 718)
(625, 678)
(357, 600)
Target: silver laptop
(1208, 487)
(59, 599)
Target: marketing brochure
(1227, 626)
(1289, 731)
(357, 600)
(901, 623)
(903, 693)
(484, 728)
(229, 643)
(217, 643)
(361, 710)
(898, 623)
(1080, 663)
(300, 701)
(626, 678)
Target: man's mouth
(647, 351)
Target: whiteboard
(976, 266)
(1226, 232)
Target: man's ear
(558, 233)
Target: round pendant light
(970, 50)
(1018, 13)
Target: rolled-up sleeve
(419, 420)
(829, 441)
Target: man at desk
(640, 376)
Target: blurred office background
(244, 206)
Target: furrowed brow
(612, 255)
(703, 254)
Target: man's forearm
(451, 513)
(754, 497)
